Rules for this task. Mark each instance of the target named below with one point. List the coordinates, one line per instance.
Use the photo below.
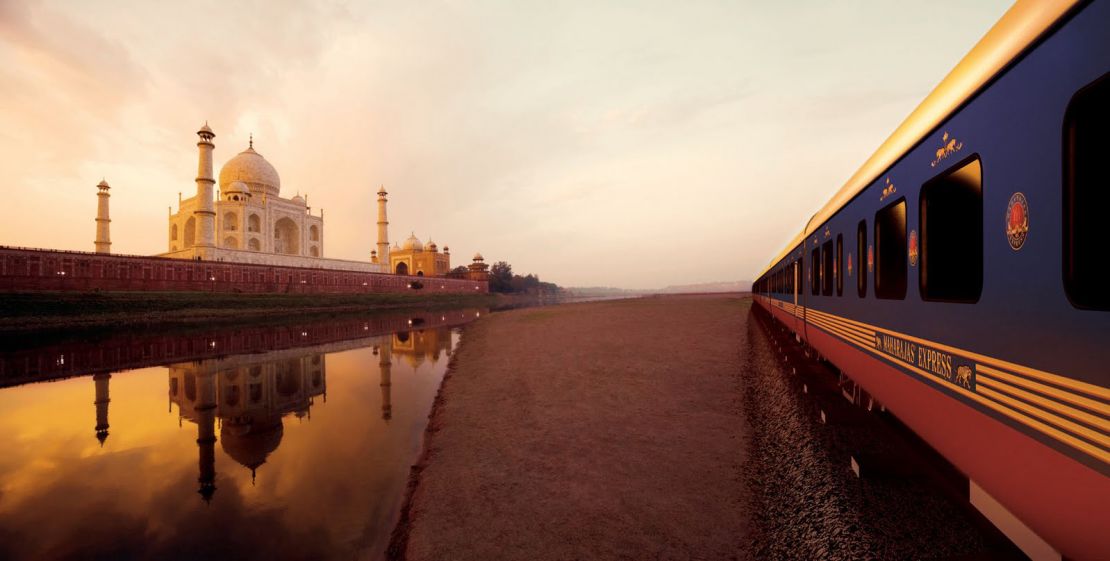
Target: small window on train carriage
(890, 251)
(952, 234)
(861, 259)
(815, 272)
(1086, 195)
(838, 267)
(827, 268)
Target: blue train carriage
(961, 276)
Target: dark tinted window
(1087, 195)
(890, 251)
(827, 268)
(838, 265)
(952, 234)
(861, 259)
(815, 272)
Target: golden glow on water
(331, 454)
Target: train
(961, 276)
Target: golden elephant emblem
(963, 376)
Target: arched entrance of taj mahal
(287, 237)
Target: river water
(266, 441)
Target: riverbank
(608, 430)
(35, 311)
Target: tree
(501, 277)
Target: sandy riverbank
(607, 430)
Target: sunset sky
(631, 144)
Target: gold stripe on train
(869, 334)
(1049, 407)
(1004, 379)
(840, 331)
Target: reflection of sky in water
(330, 434)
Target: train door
(795, 285)
(807, 278)
(797, 273)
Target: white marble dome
(251, 168)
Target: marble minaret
(102, 400)
(383, 228)
(103, 239)
(205, 212)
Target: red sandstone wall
(40, 269)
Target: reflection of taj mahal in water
(245, 397)
(249, 395)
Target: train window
(890, 251)
(1086, 196)
(861, 259)
(815, 272)
(827, 268)
(952, 234)
(838, 265)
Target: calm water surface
(267, 442)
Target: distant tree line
(502, 279)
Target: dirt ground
(607, 430)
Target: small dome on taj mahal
(238, 187)
(478, 257)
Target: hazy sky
(634, 144)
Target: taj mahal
(246, 220)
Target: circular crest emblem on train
(913, 248)
(1017, 221)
